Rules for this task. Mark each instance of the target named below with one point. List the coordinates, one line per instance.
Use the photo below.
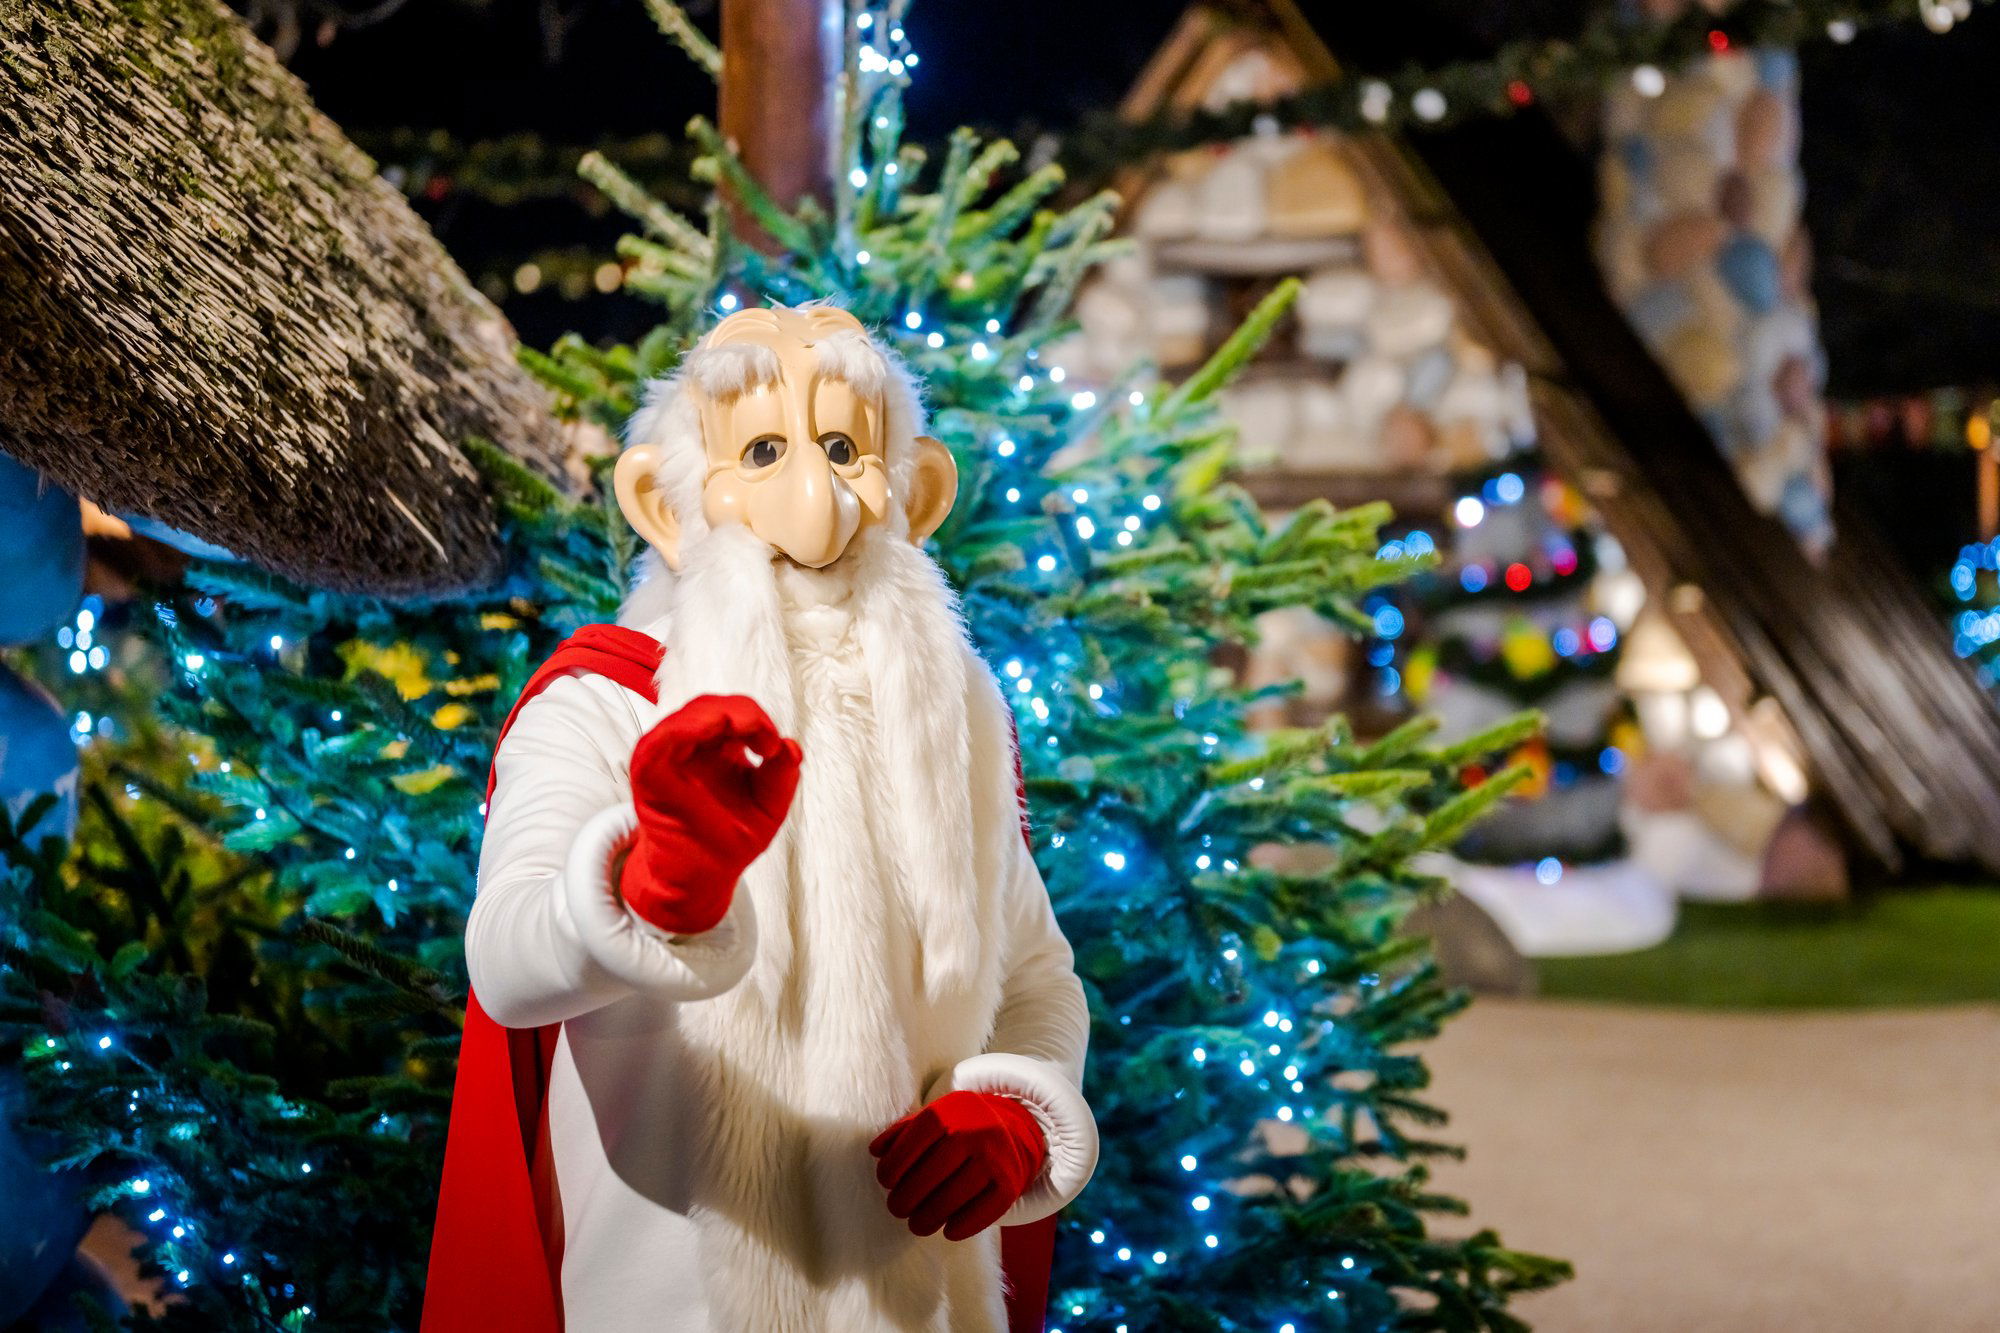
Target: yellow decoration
(1266, 942)
(424, 780)
(1627, 736)
(1419, 673)
(399, 663)
(1534, 756)
(1526, 651)
(451, 715)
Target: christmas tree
(1514, 620)
(235, 1001)
(1975, 620)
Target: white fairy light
(1429, 105)
(1649, 81)
(1375, 101)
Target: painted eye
(762, 452)
(840, 450)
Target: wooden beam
(781, 65)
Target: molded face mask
(801, 459)
(795, 450)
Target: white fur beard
(875, 921)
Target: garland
(1516, 75)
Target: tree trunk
(214, 313)
(781, 62)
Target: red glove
(705, 810)
(960, 1163)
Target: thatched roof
(214, 313)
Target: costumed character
(773, 1029)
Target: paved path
(1736, 1173)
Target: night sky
(1902, 151)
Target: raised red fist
(707, 809)
(960, 1163)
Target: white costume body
(712, 1097)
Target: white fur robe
(712, 1096)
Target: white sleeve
(548, 937)
(1035, 1054)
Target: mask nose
(809, 513)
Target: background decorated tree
(235, 1002)
(1975, 621)
(1513, 621)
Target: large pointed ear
(645, 503)
(933, 488)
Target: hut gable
(1451, 299)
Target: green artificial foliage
(235, 1000)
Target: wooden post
(781, 64)
(1989, 492)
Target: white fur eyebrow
(731, 369)
(851, 357)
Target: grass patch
(1932, 946)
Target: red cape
(496, 1252)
